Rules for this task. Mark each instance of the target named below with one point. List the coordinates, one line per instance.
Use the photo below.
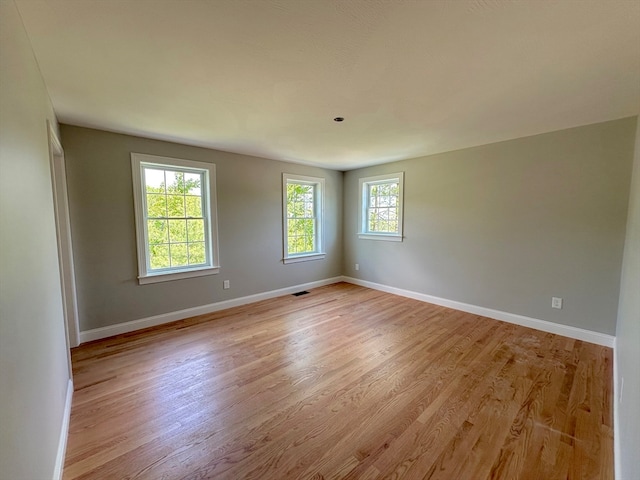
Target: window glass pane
(372, 216)
(175, 182)
(177, 232)
(301, 209)
(159, 256)
(308, 209)
(195, 230)
(291, 210)
(179, 256)
(308, 243)
(158, 231)
(293, 227)
(290, 199)
(196, 253)
(175, 206)
(193, 206)
(382, 209)
(306, 227)
(154, 180)
(156, 205)
(193, 183)
(298, 245)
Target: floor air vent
(297, 294)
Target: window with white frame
(381, 207)
(302, 217)
(176, 224)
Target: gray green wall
(507, 226)
(34, 371)
(628, 336)
(249, 221)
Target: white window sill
(169, 276)
(380, 236)
(304, 258)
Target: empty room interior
(319, 239)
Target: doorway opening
(63, 234)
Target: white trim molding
(617, 460)
(64, 240)
(126, 327)
(64, 433)
(543, 325)
(380, 236)
(304, 258)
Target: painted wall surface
(249, 223)
(628, 337)
(509, 225)
(34, 372)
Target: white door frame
(63, 234)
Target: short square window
(176, 224)
(381, 207)
(302, 218)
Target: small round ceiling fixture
(338, 119)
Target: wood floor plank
(342, 383)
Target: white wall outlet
(357, 266)
(556, 302)
(226, 284)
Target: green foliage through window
(175, 218)
(301, 218)
(383, 207)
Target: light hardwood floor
(345, 382)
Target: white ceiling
(266, 77)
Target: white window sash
(318, 206)
(364, 207)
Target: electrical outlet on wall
(357, 266)
(556, 302)
(226, 284)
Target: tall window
(175, 206)
(381, 207)
(302, 212)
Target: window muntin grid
(380, 207)
(302, 218)
(383, 204)
(174, 210)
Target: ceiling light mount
(338, 119)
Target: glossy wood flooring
(342, 383)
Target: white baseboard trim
(64, 433)
(545, 326)
(126, 327)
